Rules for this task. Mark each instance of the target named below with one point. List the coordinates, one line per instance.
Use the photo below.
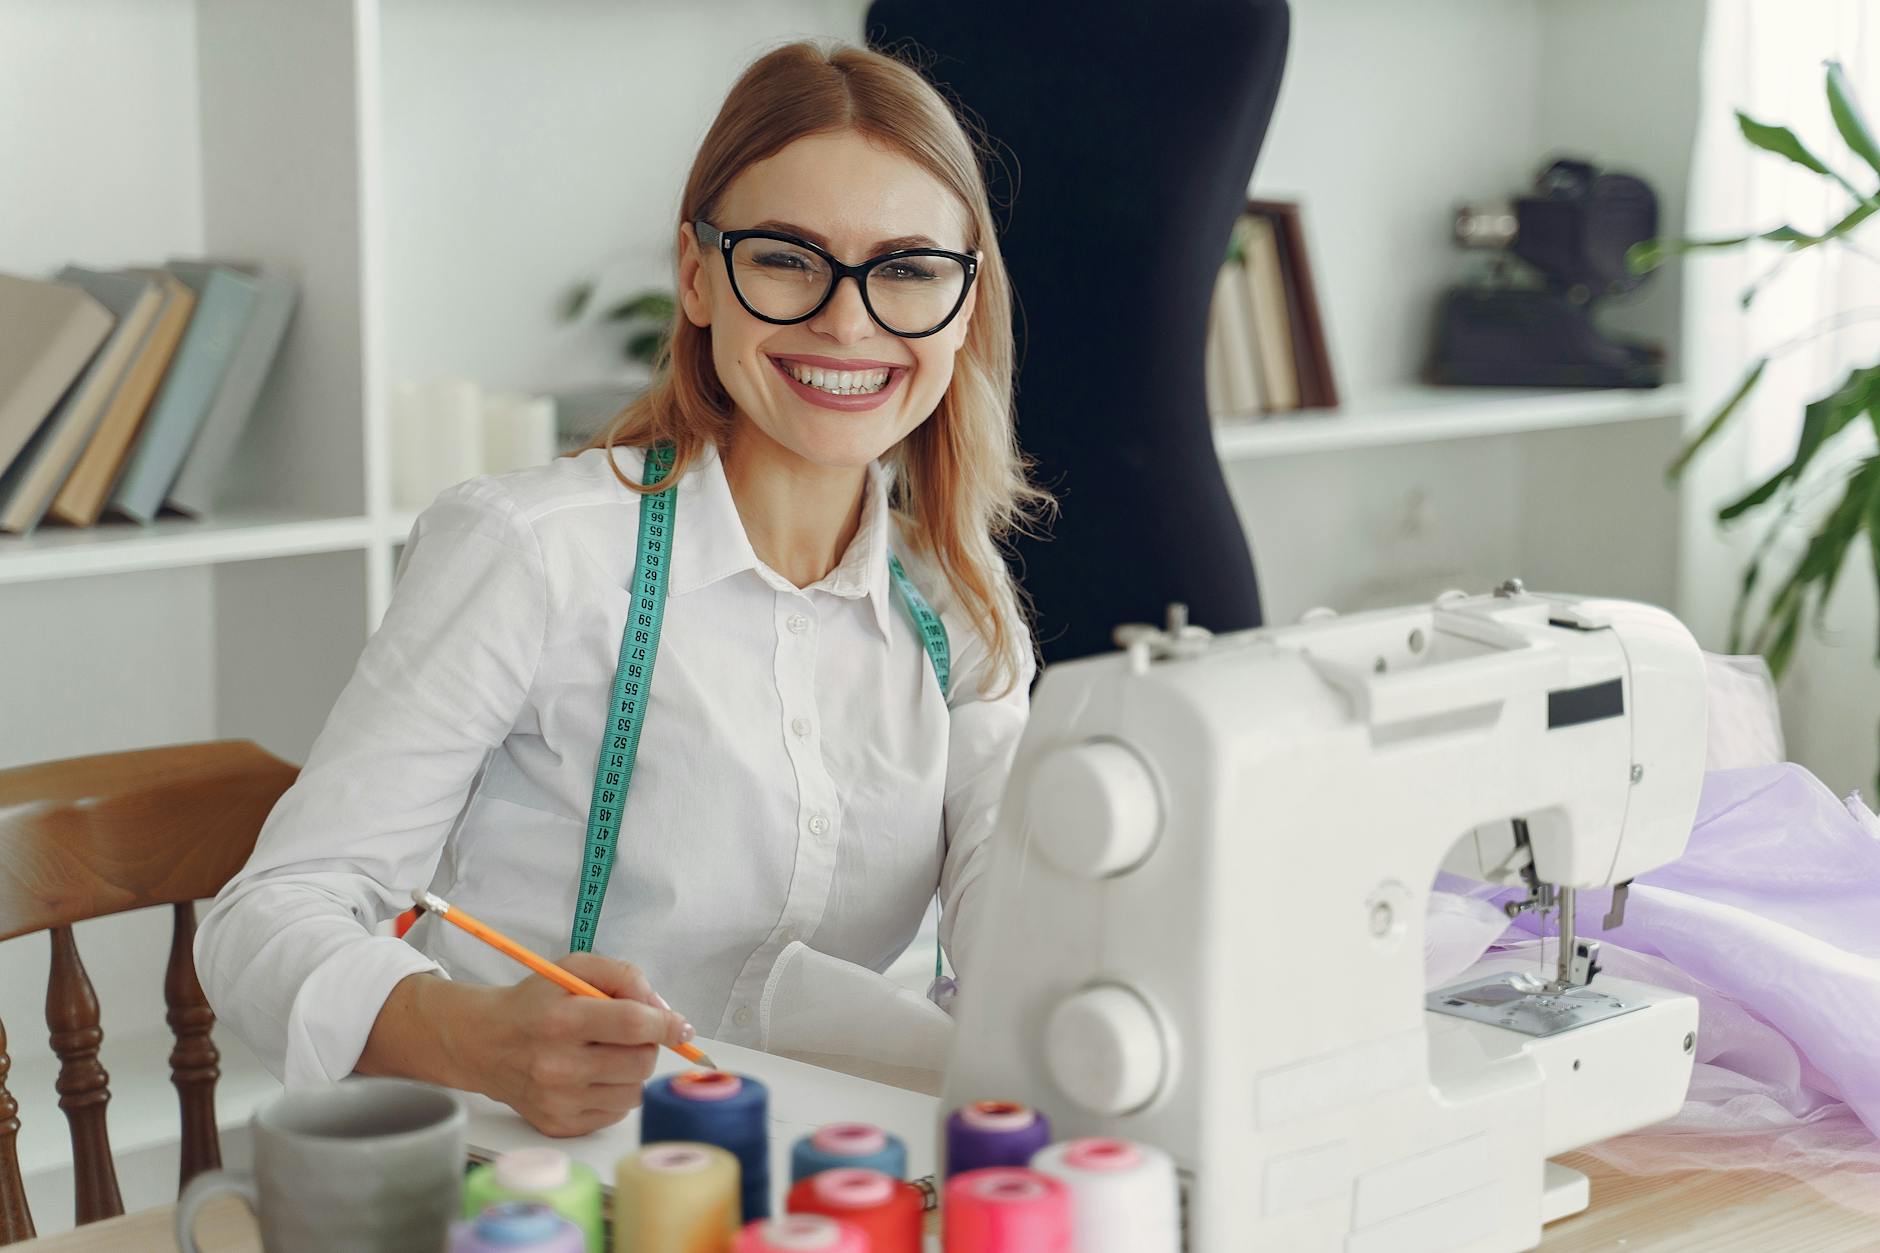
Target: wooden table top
(1698, 1211)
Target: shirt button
(798, 624)
(818, 825)
(743, 1017)
(800, 725)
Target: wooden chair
(91, 836)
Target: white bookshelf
(1414, 415)
(232, 535)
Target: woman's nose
(845, 318)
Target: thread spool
(516, 1227)
(714, 1107)
(1123, 1195)
(549, 1176)
(676, 1198)
(889, 1212)
(994, 1133)
(848, 1144)
(801, 1233)
(1007, 1209)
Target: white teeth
(838, 382)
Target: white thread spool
(1124, 1198)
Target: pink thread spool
(801, 1233)
(1007, 1209)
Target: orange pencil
(540, 965)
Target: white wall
(1388, 115)
(583, 116)
(97, 113)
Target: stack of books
(125, 391)
(1266, 341)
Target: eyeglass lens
(910, 295)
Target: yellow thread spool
(676, 1197)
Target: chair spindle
(84, 1087)
(194, 1061)
(16, 1221)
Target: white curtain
(1766, 57)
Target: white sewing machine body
(1209, 885)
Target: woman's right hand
(572, 1064)
(568, 1064)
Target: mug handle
(201, 1190)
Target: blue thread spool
(842, 1145)
(713, 1107)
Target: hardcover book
(28, 485)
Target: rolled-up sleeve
(983, 736)
(286, 954)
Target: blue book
(195, 486)
(225, 301)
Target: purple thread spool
(994, 1133)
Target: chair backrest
(90, 836)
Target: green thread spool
(549, 1176)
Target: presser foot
(1533, 1006)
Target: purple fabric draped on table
(1771, 919)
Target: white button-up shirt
(799, 777)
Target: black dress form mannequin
(1133, 129)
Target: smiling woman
(732, 692)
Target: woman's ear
(695, 292)
(962, 322)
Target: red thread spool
(888, 1211)
(1007, 1209)
(801, 1233)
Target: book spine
(179, 409)
(196, 482)
(1267, 288)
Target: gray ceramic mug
(365, 1165)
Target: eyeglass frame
(727, 240)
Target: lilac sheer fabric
(1771, 919)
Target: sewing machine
(1209, 883)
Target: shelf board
(1417, 414)
(58, 552)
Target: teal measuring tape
(633, 681)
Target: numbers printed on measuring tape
(613, 774)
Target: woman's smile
(831, 383)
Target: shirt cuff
(338, 1003)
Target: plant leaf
(575, 300)
(1848, 119)
(1827, 548)
(656, 306)
(1715, 424)
(1873, 550)
(1821, 421)
(1752, 573)
(1783, 142)
(1779, 140)
(1742, 505)
(644, 347)
(1782, 647)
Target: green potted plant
(646, 318)
(1822, 461)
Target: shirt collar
(709, 541)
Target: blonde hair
(959, 481)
